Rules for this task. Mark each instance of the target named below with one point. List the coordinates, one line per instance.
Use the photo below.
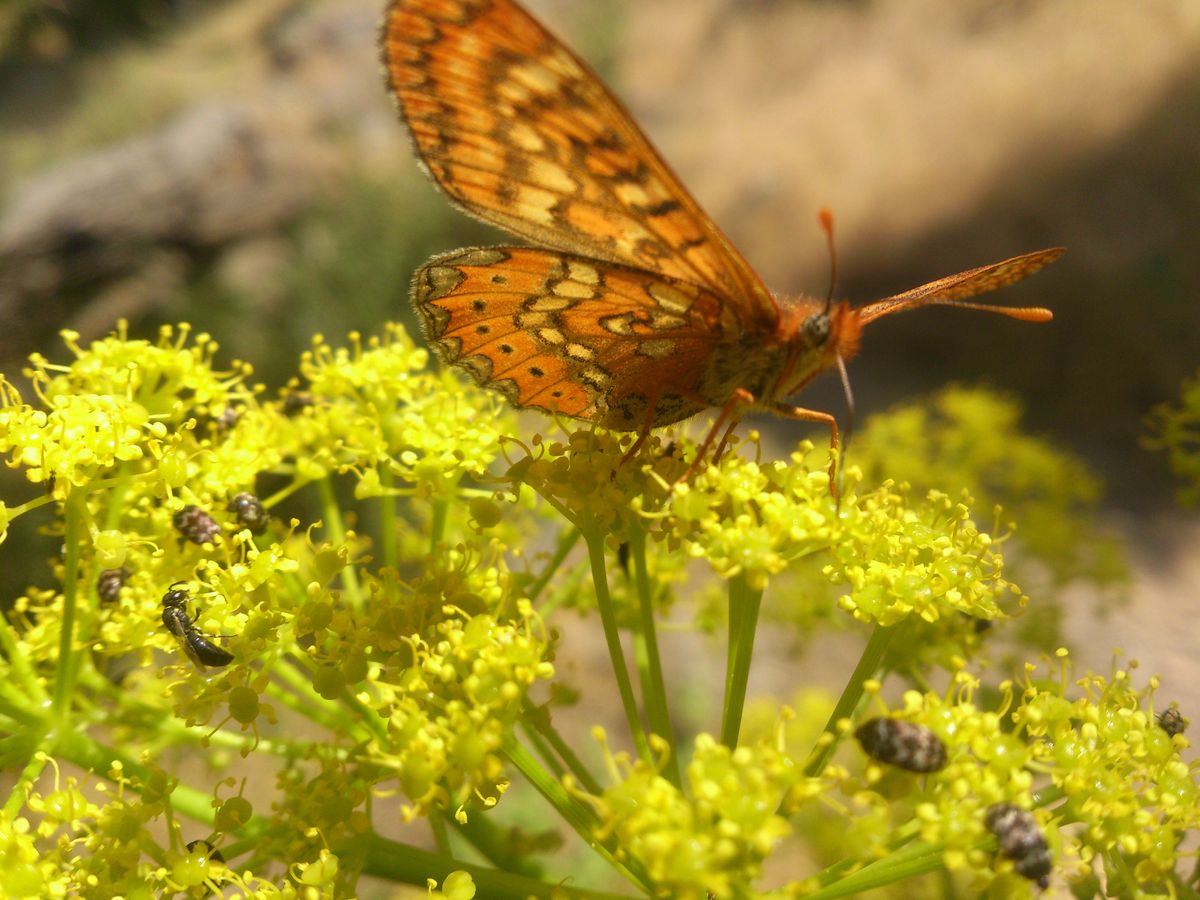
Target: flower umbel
(354, 604)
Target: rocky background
(239, 165)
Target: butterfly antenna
(825, 217)
(849, 430)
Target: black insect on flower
(905, 745)
(110, 581)
(1021, 840)
(623, 556)
(196, 525)
(227, 418)
(1171, 721)
(982, 626)
(296, 401)
(250, 512)
(199, 647)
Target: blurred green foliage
(969, 439)
(1175, 428)
(346, 266)
(40, 29)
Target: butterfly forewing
(522, 133)
(572, 335)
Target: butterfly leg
(724, 442)
(727, 418)
(813, 415)
(643, 434)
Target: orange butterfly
(632, 310)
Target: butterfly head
(818, 335)
(840, 329)
(827, 332)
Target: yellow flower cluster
(1118, 768)
(154, 458)
(371, 630)
(114, 404)
(449, 712)
(967, 439)
(376, 411)
(926, 561)
(1089, 753)
(711, 838)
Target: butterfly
(631, 309)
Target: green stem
(85, 752)
(744, 604)
(133, 714)
(20, 791)
(30, 505)
(284, 492)
(387, 517)
(494, 843)
(305, 702)
(122, 482)
(332, 515)
(574, 812)
(298, 677)
(544, 750)
(440, 838)
(608, 617)
(566, 542)
(67, 670)
(868, 666)
(902, 835)
(401, 863)
(579, 816)
(22, 684)
(909, 862)
(649, 663)
(437, 527)
(537, 721)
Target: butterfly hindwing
(571, 335)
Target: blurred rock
(252, 268)
(90, 238)
(217, 173)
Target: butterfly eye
(816, 328)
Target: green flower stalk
(281, 640)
